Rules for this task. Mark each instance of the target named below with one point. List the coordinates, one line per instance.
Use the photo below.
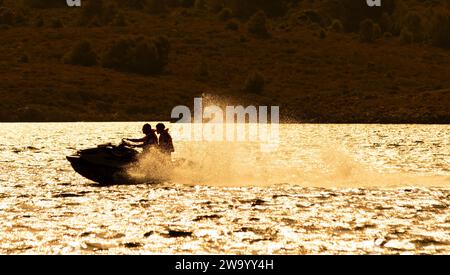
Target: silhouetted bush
(311, 17)
(386, 23)
(119, 20)
(43, 4)
(23, 58)
(440, 30)
(353, 12)
(377, 33)
(203, 71)
(7, 16)
(56, 23)
(232, 25)
(322, 34)
(215, 5)
(163, 45)
(138, 55)
(39, 22)
(200, 4)
(100, 11)
(186, 3)
(255, 83)
(132, 4)
(119, 55)
(156, 6)
(406, 37)
(337, 26)
(366, 33)
(110, 12)
(412, 22)
(10, 17)
(92, 8)
(225, 14)
(257, 25)
(21, 19)
(81, 55)
(246, 8)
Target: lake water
(327, 189)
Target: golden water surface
(326, 189)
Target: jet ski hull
(106, 165)
(102, 174)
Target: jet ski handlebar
(123, 143)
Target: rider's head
(160, 128)
(147, 129)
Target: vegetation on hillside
(321, 61)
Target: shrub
(11, 17)
(255, 83)
(97, 10)
(366, 33)
(7, 16)
(246, 8)
(39, 22)
(257, 25)
(353, 12)
(386, 23)
(186, 3)
(156, 6)
(116, 56)
(23, 58)
(322, 34)
(225, 14)
(337, 26)
(119, 20)
(20, 19)
(132, 4)
(203, 71)
(387, 35)
(56, 23)
(406, 37)
(200, 4)
(215, 5)
(109, 13)
(232, 25)
(138, 55)
(377, 31)
(163, 45)
(44, 4)
(91, 9)
(94, 22)
(440, 30)
(81, 55)
(145, 58)
(311, 17)
(413, 23)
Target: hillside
(315, 73)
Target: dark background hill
(320, 61)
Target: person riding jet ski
(165, 139)
(150, 140)
(108, 164)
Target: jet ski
(107, 164)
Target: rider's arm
(136, 139)
(136, 145)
